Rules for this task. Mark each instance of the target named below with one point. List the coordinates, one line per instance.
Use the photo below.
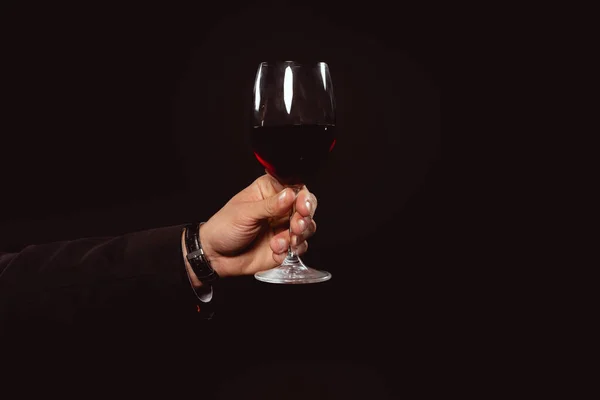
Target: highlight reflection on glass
(288, 89)
(257, 92)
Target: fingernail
(302, 224)
(308, 205)
(282, 195)
(294, 241)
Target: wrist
(213, 256)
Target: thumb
(274, 206)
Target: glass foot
(292, 272)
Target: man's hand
(250, 233)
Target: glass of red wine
(293, 132)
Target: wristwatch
(195, 255)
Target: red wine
(292, 153)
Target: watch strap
(195, 255)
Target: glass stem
(291, 254)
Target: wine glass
(292, 134)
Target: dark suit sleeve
(87, 282)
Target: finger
(301, 249)
(279, 223)
(279, 246)
(280, 242)
(306, 203)
(299, 223)
(278, 258)
(297, 239)
(271, 207)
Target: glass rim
(299, 63)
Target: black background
(121, 119)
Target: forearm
(66, 280)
